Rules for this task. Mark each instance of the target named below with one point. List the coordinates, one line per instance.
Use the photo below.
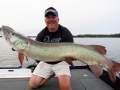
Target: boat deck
(81, 79)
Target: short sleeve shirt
(61, 35)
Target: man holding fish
(52, 33)
(54, 55)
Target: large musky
(79, 16)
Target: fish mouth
(6, 32)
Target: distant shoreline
(91, 36)
(74, 37)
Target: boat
(81, 79)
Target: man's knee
(35, 81)
(64, 82)
(34, 84)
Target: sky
(79, 16)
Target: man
(52, 33)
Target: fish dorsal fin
(99, 48)
(96, 69)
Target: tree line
(97, 35)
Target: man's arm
(67, 35)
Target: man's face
(51, 21)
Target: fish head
(7, 33)
(16, 40)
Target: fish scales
(93, 55)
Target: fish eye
(13, 33)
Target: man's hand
(72, 59)
(69, 61)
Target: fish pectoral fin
(21, 57)
(26, 58)
(99, 48)
(69, 61)
(96, 69)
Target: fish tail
(113, 70)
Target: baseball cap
(52, 11)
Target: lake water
(9, 57)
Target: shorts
(44, 69)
